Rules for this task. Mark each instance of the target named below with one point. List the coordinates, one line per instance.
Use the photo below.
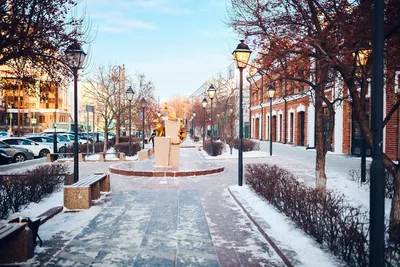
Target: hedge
(217, 147)
(333, 222)
(18, 190)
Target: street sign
(89, 108)
(33, 120)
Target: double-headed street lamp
(129, 95)
(204, 104)
(241, 55)
(211, 94)
(143, 103)
(75, 56)
(271, 94)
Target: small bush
(124, 147)
(18, 190)
(196, 139)
(248, 145)
(334, 223)
(123, 139)
(217, 147)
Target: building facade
(30, 105)
(293, 117)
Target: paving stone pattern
(144, 228)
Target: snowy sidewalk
(182, 221)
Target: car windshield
(62, 138)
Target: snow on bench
(80, 194)
(16, 243)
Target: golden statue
(160, 130)
(182, 133)
(170, 111)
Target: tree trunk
(105, 137)
(320, 175)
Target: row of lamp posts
(76, 57)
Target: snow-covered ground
(298, 161)
(283, 231)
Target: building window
(42, 119)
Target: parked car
(4, 134)
(4, 158)
(47, 140)
(39, 150)
(17, 154)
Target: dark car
(17, 154)
(4, 158)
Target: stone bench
(16, 242)
(51, 157)
(121, 156)
(80, 194)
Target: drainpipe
(398, 133)
(262, 110)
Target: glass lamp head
(204, 102)
(211, 91)
(75, 55)
(241, 55)
(129, 93)
(271, 91)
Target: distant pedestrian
(153, 134)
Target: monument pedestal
(172, 130)
(174, 155)
(161, 150)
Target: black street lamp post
(143, 104)
(204, 104)
(241, 56)
(271, 94)
(377, 183)
(75, 56)
(129, 95)
(211, 94)
(193, 126)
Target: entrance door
(257, 129)
(291, 128)
(302, 116)
(356, 137)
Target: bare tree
(34, 34)
(331, 33)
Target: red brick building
(293, 116)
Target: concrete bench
(51, 157)
(16, 243)
(80, 194)
(121, 156)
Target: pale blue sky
(178, 44)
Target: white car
(46, 140)
(39, 150)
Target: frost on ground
(284, 232)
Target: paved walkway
(182, 221)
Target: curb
(47, 215)
(263, 233)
